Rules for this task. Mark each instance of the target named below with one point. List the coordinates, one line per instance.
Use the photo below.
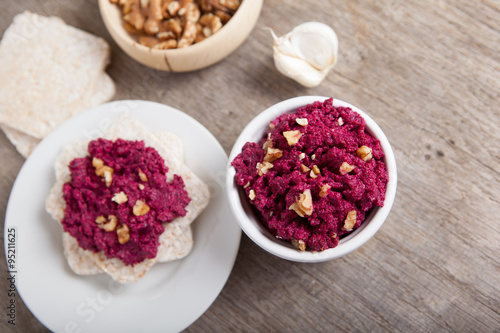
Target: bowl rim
(254, 131)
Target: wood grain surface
(428, 72)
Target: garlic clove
(307, 53)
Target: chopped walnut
(108, 175)
(142, 176)
(192, 16)
(350, 221)
(103, 170)
(299, 244)
(365, 153)
(345, 168)
(173, 26)
(173, 7)
(272, 154)
(312, 174)
(166, 45)
(120, 197)
(210, 24)
(313, 157)
(269, 143)
(123, 233)
(304, 168)
(140, 208)
(98, 164)
(316, 170)
(302, 156)
(111, 225)
(323, 192)
(246, 185)
(154, 17)
(141, 186)
(148, 41)
(224, 17)
(132, 14)
(340, 121)
(252, 194)
(264, 167)
(101, 219)
(108, 224)
(230, 4)
(292, 137)
(303, 205)
(302, 121)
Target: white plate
(171, 296)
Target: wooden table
(428, 73)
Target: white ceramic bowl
(194, 57)
(249, 222)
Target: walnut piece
(272, 154)
(264, 167)
(101, 219)
(345, 168)
(120, 198)
(301, 121)
(210, 24)
(312, 174)
(292, 137)
(340, 121)
(108, 175)
(252, 194)
(299, 244)
(365, 153)
(269, 143)
(123, 233)
(350, 221)
(303, 205)
(142, 176)
(323, 192)
(108, 224)
(316, 170)
(111, 225)
(141, 186)
(302, 156)
(192, 16)
(305, 168)
(140, 208)
(98, 164)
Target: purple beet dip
(315, 176)
(140, 173)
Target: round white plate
(171, 296)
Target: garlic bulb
(307, 53)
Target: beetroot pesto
(315, 176)
(118, 199)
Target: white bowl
(250, 223)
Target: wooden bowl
(196, 56)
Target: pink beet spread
(88, 197)
(331, 144)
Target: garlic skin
(307, 53)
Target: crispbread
(50, 71)
(24, 143)
(176, 241)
